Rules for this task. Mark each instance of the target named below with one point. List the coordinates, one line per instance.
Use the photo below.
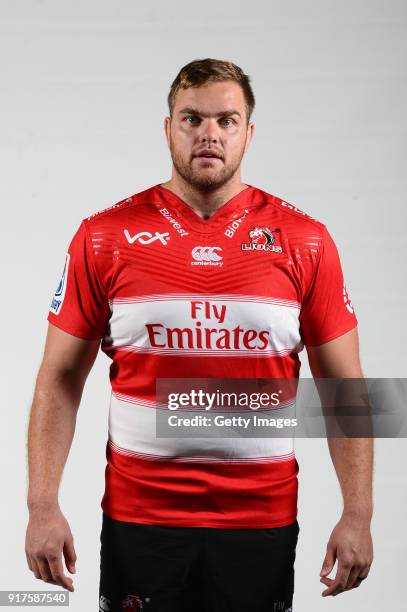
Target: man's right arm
(65, 366)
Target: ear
(249, 135)
(167, 126)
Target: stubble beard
(203, 180)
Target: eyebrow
(193, 111)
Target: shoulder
(299, 227)
(118, 212)
(291, 213)
(101, 233)
(304, 234)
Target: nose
(209, 132)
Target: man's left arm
(350, 541)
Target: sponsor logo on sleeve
(59, 294)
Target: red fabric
(134, 283)
(84, 311)
(324, 315)
(205, 494)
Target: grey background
(83, 99)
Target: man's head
(210, 105)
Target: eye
(196, 117)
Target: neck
(204, 204)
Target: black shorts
(157, 568)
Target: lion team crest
(263, 239)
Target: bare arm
(353, 462)
(66, 364)
(352, 457)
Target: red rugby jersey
(171, 295)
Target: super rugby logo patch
(263, 239)
(59, 294)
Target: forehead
(211, 97)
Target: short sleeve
(326, 311)
(79, 305)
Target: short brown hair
(208, 70)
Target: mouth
(208, 157)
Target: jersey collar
(245, 199)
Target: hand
(350, 543)
(48, 536)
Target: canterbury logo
(206, 253)
(147, 237)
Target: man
(201, 276)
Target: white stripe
(192, 326)
(196, 459)
(132, 428)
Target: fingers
(48, 537)
(35, 569)
(353, 580)
(45, 572)
(360, 573)
(341, 579)
(352, 546)
(47, 566)
(356, 576)
(57, 571)
(70, 555)
(29, 561)
(50, 571)
(38, 570)
(329, 561)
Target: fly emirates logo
(208, 330)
